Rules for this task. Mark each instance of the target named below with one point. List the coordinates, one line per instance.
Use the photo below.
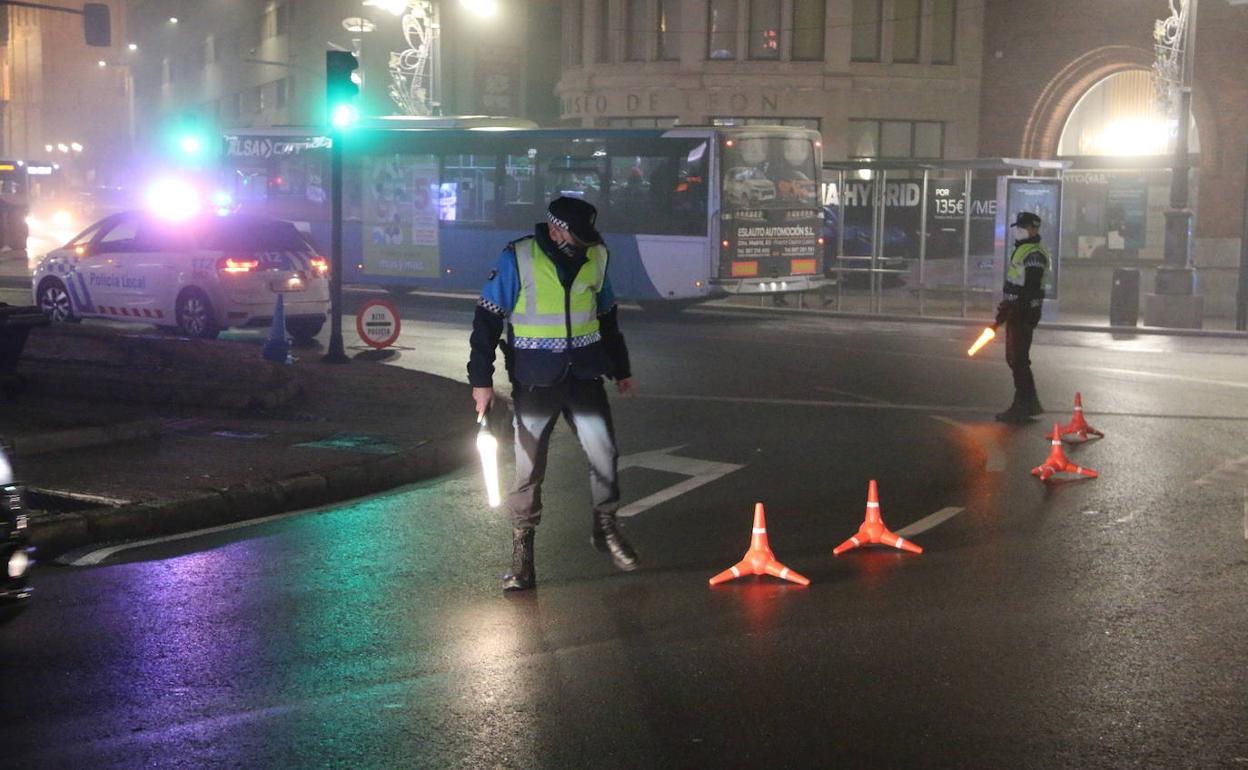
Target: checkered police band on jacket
(1028, 279)
(548, 303)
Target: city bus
(687, 213)
(14, 204)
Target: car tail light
(320, 265)
(237, 264)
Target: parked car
(199, 276)
(15, 551)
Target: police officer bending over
(1027, 279)
(552, 293)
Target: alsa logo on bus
(265, 147)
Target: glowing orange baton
(987, 336)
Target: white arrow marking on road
(700, 473)
(927, 522)
(996, 457)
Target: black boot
(1017, 413)
(523, 575)
(606, 537)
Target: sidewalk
(126, 435)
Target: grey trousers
(583, 404)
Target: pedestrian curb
(54, 534)
(81, 438)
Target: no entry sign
(377, 323)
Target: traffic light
(188, 138)
(341, 89)
(95, 25)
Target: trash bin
(1124, 297)
(15, 324)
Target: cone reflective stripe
(1057, 462)
(759, 560)
(1078, 425)
(985, 337)
(873, 530)
(487, 447)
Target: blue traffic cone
(276, 347)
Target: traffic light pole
(336, 354)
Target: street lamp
(1175, 46)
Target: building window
(808, 29)
(944, 30)
(635, 28)
(669, 30)
(259, 98)
(603, 54)
(865, 43)
(896, 139)
(721, 29)
(906, 18)
(275, 21)
(572, 35)
(234, 106)
(279, 94)
(764, 29)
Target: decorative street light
(415, 72)
(1175, 46)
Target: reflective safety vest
(1015, 271)
(548, 317)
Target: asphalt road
(1079, 624)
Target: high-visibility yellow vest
(547, 317)
(1015, 271)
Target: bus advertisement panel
(770, 220)
(400, 216)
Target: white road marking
(814, 402)
(97, 556)
(996, 457)
(1246, 513)
(1166, 376)
(927, 522)
(851, 394)
(700, 472)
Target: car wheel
(195, 315)
(53, 300)
(304, 330)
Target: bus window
(576, 167)
(659, 193)
(518, 182)
(770, 171)
(466, 192)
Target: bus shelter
(919, 235)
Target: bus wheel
(54, 301)
(195, 316)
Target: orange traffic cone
(873, 529)
(1057, 461)
(1078, 425)
(759, 560)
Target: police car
(198, 275)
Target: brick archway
(1058, 98)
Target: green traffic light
(343, 115)
(190, 144)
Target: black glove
(1004, 308)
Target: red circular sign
(377, 323)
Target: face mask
(1021, 234)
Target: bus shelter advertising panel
(400, 215)
(1041, 196)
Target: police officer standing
(1028, 276)
(551, 292)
